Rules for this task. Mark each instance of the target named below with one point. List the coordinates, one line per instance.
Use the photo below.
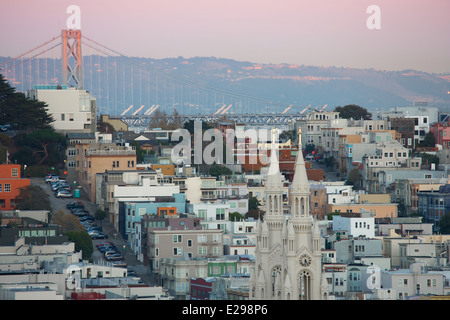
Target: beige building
(93, 158)
(378, 210)
(116, 123)
(193, 243)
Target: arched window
(270, 204)
(276, 273)
(304, 286)
(275, 207)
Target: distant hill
(292, 84)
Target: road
(332, 174)
(113, 235)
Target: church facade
(288, 251)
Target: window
(220, 214)
(177, 251)
(1, 187)
(201, 251)
(202, 213)
(177, 238)
(7, 187)
(14, 172)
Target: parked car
(51, 178)
(75, 204)
(108, 249)
(104, 243)
(80, 213)
(119, 264)
(63, 194)
(309, 157)
(114, 257)
(86, 218)
(60, 185)
(99, 235)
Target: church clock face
(305, 260)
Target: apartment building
(356, 225)
(415, 280)
(195, 242)
(406, 190)
(213, 215)
(72, 109)
(106, 181)
(10, 183)
(434, 204)
(93, 158)
(148, 190)
(312, 126)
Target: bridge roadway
(247, 119)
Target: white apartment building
(355, 226)
(330, 136)
(147, 190)
(312, 126)
(72, 109)
(214, 215)
(413, 281)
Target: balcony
(111, 152)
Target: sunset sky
(414, 34)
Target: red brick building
(200, 288)
(10, 184)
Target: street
(113, 235)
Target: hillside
(292, 84)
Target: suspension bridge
(134, 88)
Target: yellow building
(116, 123)
(378, 210)
(375, 198)
(94, 158)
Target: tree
(33, 198)
(444, 224)
(217, 170)
(40, 144)
(352, 111)
(354, 177)
(159, 120)
(83, 242)
(428, 141)
(253, 203)
(100, 215)
(20, 112)
(329, 162)
(235, 216)
(429, 158)
(177, 120)
(68, 222)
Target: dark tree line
(34, 141)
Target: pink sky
(415, 34)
